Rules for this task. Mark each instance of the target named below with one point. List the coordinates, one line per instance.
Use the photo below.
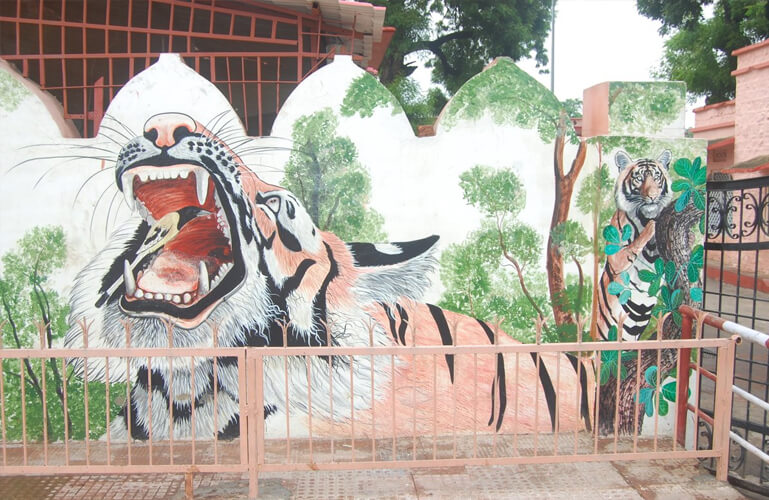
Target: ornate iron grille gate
(737, 274)
(84, 51)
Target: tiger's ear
(389, 271)
(388, 254)
(622, 160)
(664, 158)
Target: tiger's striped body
(641, 192)
(373, 299)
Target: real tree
(699, 50)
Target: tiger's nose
(166, 129)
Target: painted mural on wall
(503, 218)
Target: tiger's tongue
(170, 273)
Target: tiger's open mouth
(185, 257)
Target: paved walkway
(668, 479)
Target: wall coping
(717, 105)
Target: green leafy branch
(647, 396)
(615, 240)
(691, 185)
(610, 359)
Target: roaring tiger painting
(210, 244)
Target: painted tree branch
(564, 187)
(518, 270)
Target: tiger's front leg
(625, 257)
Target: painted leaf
(681, 185)
(646, 276)
(615, 288)
(696, 294)
(699, 199)
(650, 375)
(663, 407)
(654, 287)
(702, 224)
(624, 297)
(670, 272)
(611, 249)
(701, 177)
(676, 298)
(611, 234)
(697, 255)
(693, 273)
(665, 294)
(682, 167)
(625, 277)
(627, 232)
(659, 265)
(676, 317)
(669, 391)
(683, 200)
(628, 355)
(612, 333)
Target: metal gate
(737, 288)
(84, 51)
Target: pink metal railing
(442, 427)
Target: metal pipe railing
(739, 332)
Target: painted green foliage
(365, 94)
(494, 273)
(28, 301)
(644, 108)
(475, 282)
(324, 172)
(12, 92)
(510, 96)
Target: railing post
(682, 398)
(255, 416)
(723, 407)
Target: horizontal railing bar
(703, 371)
(644, 345)
(744, 332)
(451, 462)
(750, 397)
(41, 469)
(704, 416)
(749, 447)
(122, 352)
(750, 334)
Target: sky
(598, 41)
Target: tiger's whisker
(125, 127)
(95, 207)
(82, 186)
(57, 157)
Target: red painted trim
(721, 144)
(712, 127)
(742, 71)
(746, 170)
(721, 104)
(748, 48)
(743, 281)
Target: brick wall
(752, 110)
